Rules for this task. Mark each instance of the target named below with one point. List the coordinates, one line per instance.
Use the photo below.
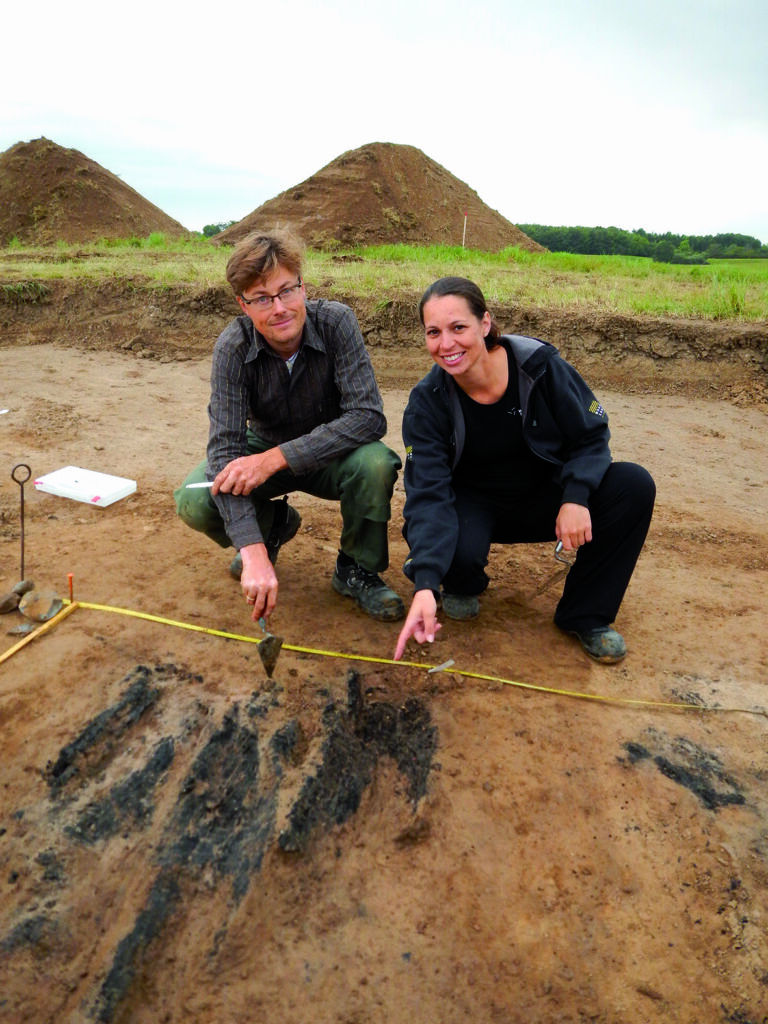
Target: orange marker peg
(70, 576)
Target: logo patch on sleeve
(597, 409)
(409, 452)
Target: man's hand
(258, 581)
(573, 526)
(241, 476)
(421, 622)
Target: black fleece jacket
(563, 424)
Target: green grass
(22, 293)
(724, 289)
(747, 268)
(615, 284)
(153, 262)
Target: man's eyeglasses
(286, 296)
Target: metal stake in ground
(16, 475)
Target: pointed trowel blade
(269, 649)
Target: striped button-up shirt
(326, 406)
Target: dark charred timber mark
(127, 803)
(131, 953)
(224, 818)
(222, 821)
(700, 785)
(356, 737)
(37, 932)
(690, 766)
(97, 743)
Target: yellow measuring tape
(71, 606)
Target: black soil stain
(356, 737)
(130, 801)
(36, 931)
(737, 1017)
(53, 869)
(163, 901)
(100, 740)
(224, 819)
(694, 768)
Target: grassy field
(722, 290)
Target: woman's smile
(455, 336)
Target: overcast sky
(650, 114)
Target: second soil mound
(383, 193)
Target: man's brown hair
(260, 254)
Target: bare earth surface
(355, 841)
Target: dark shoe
(369, 591)
(603, 644)
(285, 526)
(460, 606)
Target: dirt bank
(696, 358)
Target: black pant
(620, 509)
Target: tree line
(666, 248)
(215, 229)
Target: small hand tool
(560, 574)
(269, 649)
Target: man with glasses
(294, 407)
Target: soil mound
(384, 193)
(50, 193)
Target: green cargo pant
(361, 481)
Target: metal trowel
(567, 563)
(269, 649)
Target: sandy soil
(182, 839)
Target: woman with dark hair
(506, 444)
